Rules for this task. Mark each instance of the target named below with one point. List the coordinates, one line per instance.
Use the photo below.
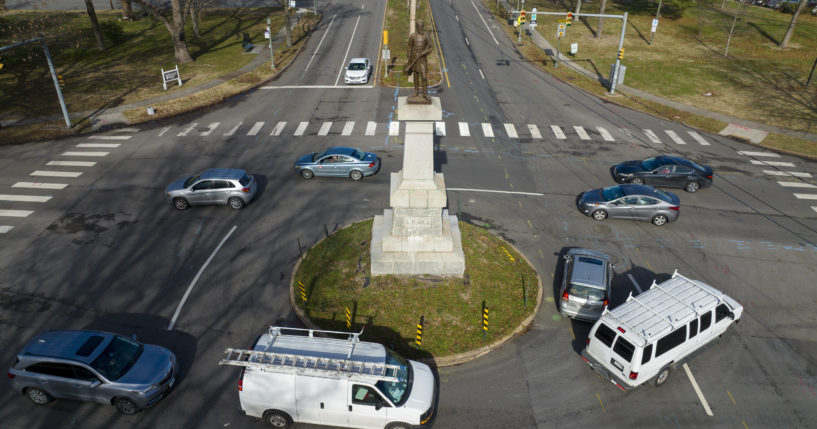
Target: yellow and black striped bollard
(302, 289)
(348, 318)
(418, 340)
(484, 320)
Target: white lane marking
(698, 390)
(534, 131)
(458, 18)
(698, 138)
(233, 129)
(343, 87)
(394, 128)
(480, 73)
(99, 145)
(127, 130)
(605, 134)
(581, 132)
(70, 153)
(164, 130)
(466, 39)
(348, 128)
(772, 163)
(371, 126)
(495, 192)
(439, 128)
(109, 137)
(72, 163)
(557, 131)
(346, 55)
(39, 185)
(511, 131)
(301, 129)
(255, 128)
(487, 131)
(195, 279)
(5, 228)
(25, 198)
(187, 130)
(324, 130)
(675, 137)
(56, 173)
(635, 283)
(278, 129)
(787, 173)
(749, 153)
(798, 185)
(210, 128)
(486, 24)
(814, 208)
(806, 196)
(15, 213)
(651, 135)
(464, 131)
(320, 43)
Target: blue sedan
(338, 162)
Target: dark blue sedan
(338, 162)
(664, 171)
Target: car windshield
(245, 180)
(663, 195)
(650, 164)
(611, 193)
(358, 154)
(191, 180)
(357, 66)
(117, 358)
(397, 391)
(586, 292)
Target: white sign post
(170, 76)
(652, 30)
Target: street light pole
(271, 54)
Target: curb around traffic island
(434, 361)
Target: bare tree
(283, 3)
(89, 6)
(601, 20)
(179, 12)
(790, 30)
(127, 10)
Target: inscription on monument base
(420, 222)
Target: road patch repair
(744, 133)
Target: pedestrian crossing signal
(569, 19)
(621, 54)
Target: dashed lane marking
(69, 153)
(109, 137)
(71, 163)
(25, 198)
(772, 163)
(806, 196)
(787, 173)
(748, 153)
(15, 213)
(99, 145)
(39, 185)
(798, 185)
(56, 173)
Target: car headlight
(148, 391)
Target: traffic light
(1, 63)
(522, 18)
(569, 19)
(62, 82)
(621, 54)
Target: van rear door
(368, 408)
(623, 356)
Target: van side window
(624, 349)
(721, 312)
(706, 320)
(693, 328)
(672, 340)
(605, 335)
(365, 395)
(647, 355)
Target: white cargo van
(300, 377)
(644, 338)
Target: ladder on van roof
(310, 365)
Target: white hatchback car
(358, 71)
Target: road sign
(533, 15)
(561, 27)
(654, 25)
(560, 34)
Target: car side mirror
(732, 315)
(378, 405)
(94, 384)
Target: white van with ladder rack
(291, 375)
(646, 337)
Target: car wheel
(181, 203)
(307, 174)
(659, 220)
(356, 175)
(236, 203)
(599, 215)
(662, 376)
(692, 186)
(398, 425)
(38, 396)
(126, 406)
(277, 419)
(637, 181)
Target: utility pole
(271, 54)
(618, 57)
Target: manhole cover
(601, 229)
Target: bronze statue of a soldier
(419, 46)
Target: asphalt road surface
(516, 147)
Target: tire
(181, 203)
(398, 425)
(599, 215)
(38, 396)
(637, 181)
(659, 220)
(125, 406)
(277, 419)
(662, 376)
(236, 203)
(307, 174)
(356, 175)
(692, 186)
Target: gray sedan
(338, 162)
(214, 186)
(638, 202)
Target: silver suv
(214, 186)
(93, 366)
(585, 291)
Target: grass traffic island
(335, 276)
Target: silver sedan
(638, 202)
(338, 162)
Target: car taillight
(241, 381)
(588, 341)
(565, 296)
(606, 301)
(10, 374)
(709, 177)
(633, 375)
(622, 330)
(245, 189)
(676, 208)
(371, 165)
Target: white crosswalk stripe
(394, 128)
(581, 132)
(698, 138)
(71, 163)
(187, 130)
(278, 129)
(348, 128)
(324, 130)
(605, 134)
(256, 128)
(806, 196)
(511, 131)
(675, 137)
(767, 154)
(534, 131)
(787, 173)
(439, 128)
(814, 208)
(557, 131)
(651, 135)
(487, 130)
(464, 130)
(797, 185)
(70, 153)
(371, 127)
(25, 198)
(15, 213)
(39, 185)
(5, 228)
(772, 163)
(109, 137)
(99, 145)
(210, 129)
(56, 173)
(301, 129)
(233, 129)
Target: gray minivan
(93, 366)
(585, 291)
